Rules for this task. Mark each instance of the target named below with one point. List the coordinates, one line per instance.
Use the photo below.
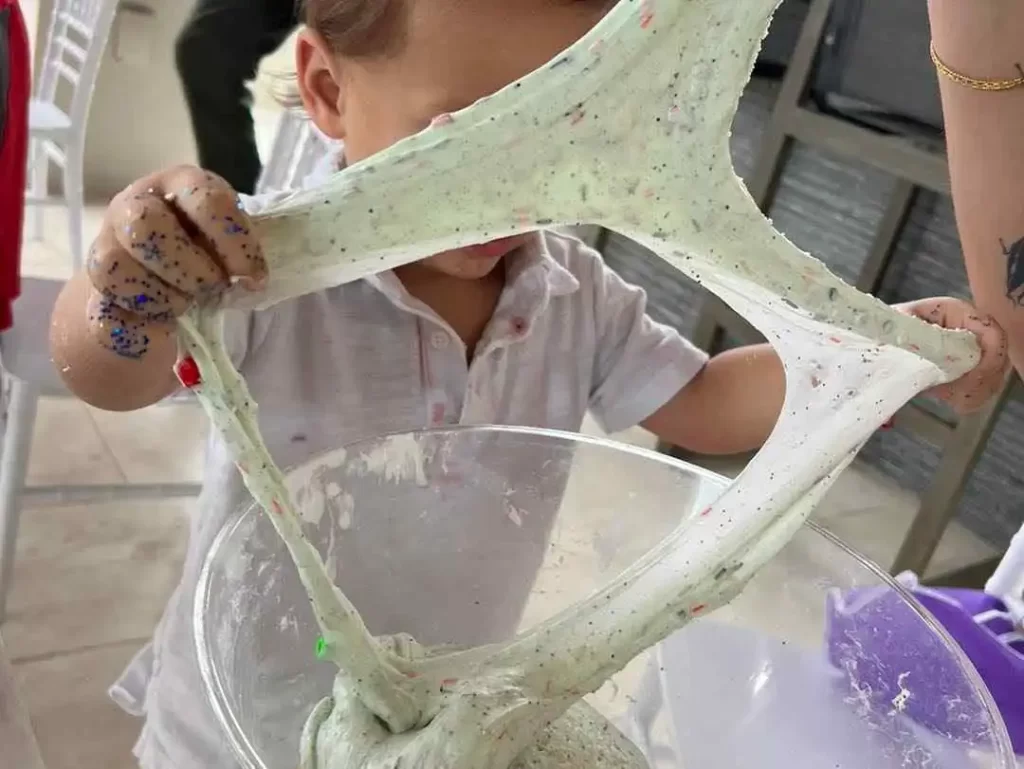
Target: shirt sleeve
(239, 325)
(244, 328)
(639, 364)
(238, 331)
(254, 205)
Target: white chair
(28, 372)
(77, 36)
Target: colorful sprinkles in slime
(628, 129)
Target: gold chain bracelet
(970, 82)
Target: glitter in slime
(628, 129)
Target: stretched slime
(629, 129)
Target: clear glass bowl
(469, 535)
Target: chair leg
(940, 500)
(74, 196)
(17, 443)
(38, 170)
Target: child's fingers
(211, 210)
(152, 234)
(957, 314)
(931, 310)
(126, 333)
(127, 283)
(183, 227)
(975, 388)
(992, 341)
(986, 379)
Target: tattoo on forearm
(1014, 254)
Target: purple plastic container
(866, 634)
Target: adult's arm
(984, 39)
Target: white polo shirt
(365, 359)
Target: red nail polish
(188, 372)
(887, 425)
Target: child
(531, 330)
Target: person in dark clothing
(217, 54)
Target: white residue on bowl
(395, 459)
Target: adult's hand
(981, 40)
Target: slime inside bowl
(470, 535)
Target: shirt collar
(534, 263)
(532, 278)
(533, 275)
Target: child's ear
(319, 80)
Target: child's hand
(167, 240)
(971, 391)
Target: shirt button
(519, 326)
(439, 340)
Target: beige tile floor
(91, 579)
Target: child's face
(454, 53)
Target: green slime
(628, 129)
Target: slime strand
(629, 129)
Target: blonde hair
(358, 28)
(353, 28)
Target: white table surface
(17, 741)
